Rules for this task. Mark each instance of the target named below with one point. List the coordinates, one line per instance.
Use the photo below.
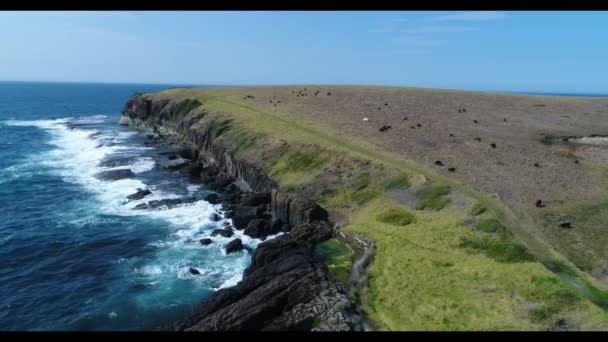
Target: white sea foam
(76, 157)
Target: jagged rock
(215, 217)
(234, 246)
(259, 229)
(169, 202)
(212, 198)
(223, 232)
(205, 241)
(243, 215)
(293, 211)
(115, 162)
(194, 271)
(141, 193)
(256, 198)
(115, 174)
(173, 164)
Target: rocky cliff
(286, 287)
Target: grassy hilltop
(448, 193)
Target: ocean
(74, 254)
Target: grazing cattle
(404, 119)
(536, 165)
(540, 204)
(278, 101)
(451, 135)
(379, 108)
(565, 140)
(439, 163)
(413, 127)
(386, 104)
(475, 121)
(460, 111)
(419, 125)
(478, 139)
(452, 169)
(270, 101)
(384, 128)
(493, 145)
(576, 161)
(328, 94)
(464, 110)
(565, 224)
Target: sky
(480, 50)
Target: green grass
(299, 161)
(478, 209)
(491, 225)
(433, 197)
(422, 278)
(397, 217)
(338, 257)
(186, 106)
(409, 287)
(502, 249)
(400, 181)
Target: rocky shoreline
(286, 287)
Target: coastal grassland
(585, 242)
(437, 274)
(434, 272)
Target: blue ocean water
(74, 255)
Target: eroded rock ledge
(286, 287)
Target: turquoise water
(75, 256)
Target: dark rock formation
(242, 215)
(212, 198)
(234, 246)
(169, 202)
(215, 217)
(285, 288)
(115, 162)
(115, 174)
(223, 232)
(141, 193)
(205, 241)
(260, 229)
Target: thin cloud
(439, 29)
(471, 16)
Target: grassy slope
(423, 275)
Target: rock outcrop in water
(286, 287)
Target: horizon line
(189, 85)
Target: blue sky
(503, 51)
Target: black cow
(540, 204)
(478, 139)
(419, 125)
(536, 165)
(475, 121)
(384, 128)
(452, 169)
(439, 163)
(493, 145)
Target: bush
(397, 216)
